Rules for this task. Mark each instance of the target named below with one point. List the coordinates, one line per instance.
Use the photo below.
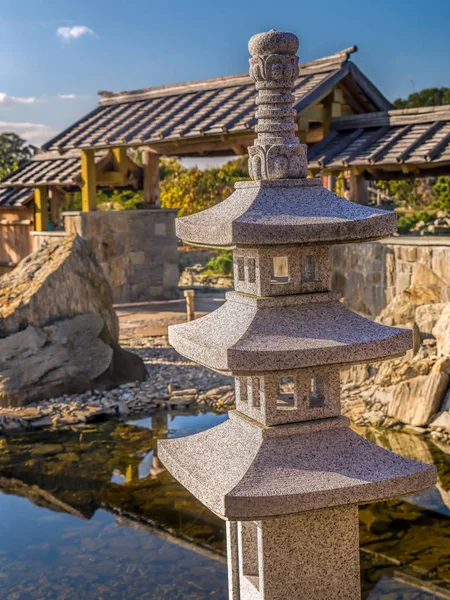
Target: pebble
(173, 382)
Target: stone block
(137, 258)
(171, 275)
(156, 292)
(160, 229)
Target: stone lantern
(285, 470)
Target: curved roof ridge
(316, 65)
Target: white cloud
(35, 133)
(73, 97)
(67, 34)
(6, 100)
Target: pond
(90, 514)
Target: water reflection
(93, 514)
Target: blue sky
(56, 54)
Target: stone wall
(15, 226)
(137, 249)
(370, 275)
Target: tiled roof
(414, 136)
(46, 168)
(209, 107)
(15, 197)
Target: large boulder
(417, 400)
(401, 310)
(60, 280)
(58, 328)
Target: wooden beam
(110, 177)
(303, 128)
(333, 108)
(88, 182)
(41, 208)
(150, 165)
(314, 113)
(121, 158)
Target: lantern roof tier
(251, 335)
(284, 211)
(242, 470)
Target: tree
(13, 150)
(441, 191)
(426, 97)
(191, 190)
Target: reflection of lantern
(286, 471)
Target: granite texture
(277, 152)
(286, 471)
(326, 567)
(240, 473)
(243, 338)
(290, 396)
(281, 270)
(289, 211)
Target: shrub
(222, 264)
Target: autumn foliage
(191, 190)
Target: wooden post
(41, 208)
(150, 164)
(56, 197)
(328, 181)
(359, 192)
(121, 157)
(88, 183)
(333, 108)
(190, 309)
(303, 127)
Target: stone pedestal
(137, 249)
(260, 556)
(286, 471)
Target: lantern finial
(277, 152)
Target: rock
(401, 310)
(69, 356)
(395, 371)
(442, 364)
(424, 276)
(427, 316)
(441, 421)
(415, 401)
(441, 331)
(445, 404)
(59, 281)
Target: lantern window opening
(287, 394)
(280, 269)
(240, 269)
(249, 556)
(308, 269)
(318, 394)
(243, 391)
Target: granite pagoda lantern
(285, 470)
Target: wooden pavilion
(212, 117)
(341, 115)
(396, 144)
